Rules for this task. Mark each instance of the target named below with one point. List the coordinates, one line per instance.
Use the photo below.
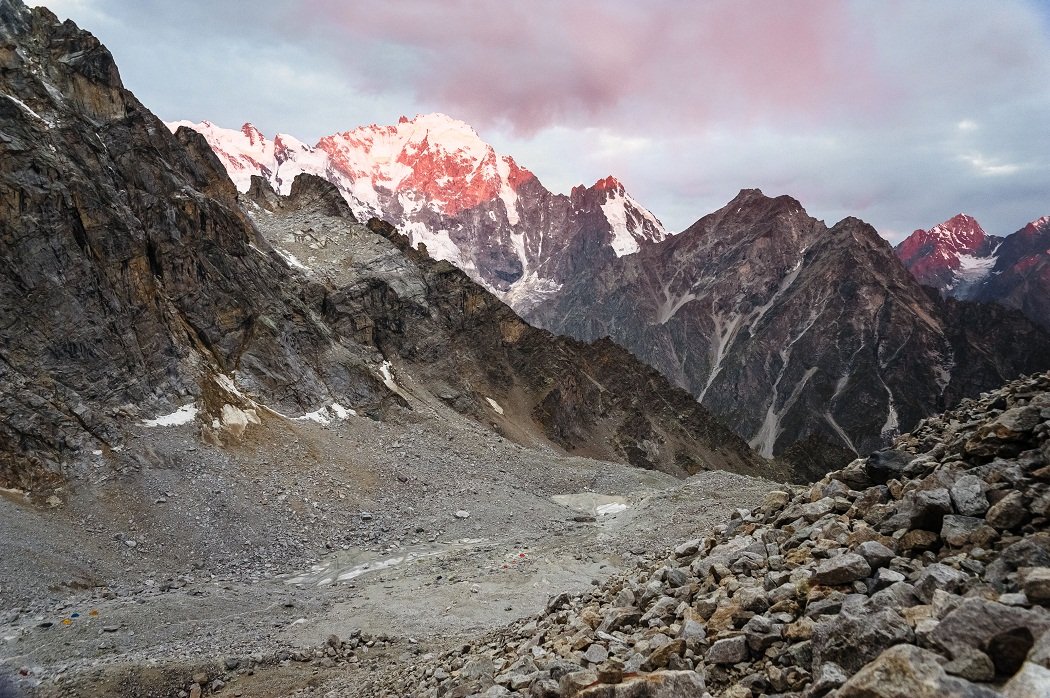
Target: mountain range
(815, 343)
(435, 179)
(134, 282)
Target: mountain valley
(384, 417)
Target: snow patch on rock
(183, 415)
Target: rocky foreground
(922, 570)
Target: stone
(884, 577)
(618, 617)
(1041, 505)
(885, 465)
(1004, 633)
(761, 633)
(660, 657)
(195, 690)
(1032, 680)
(968, 496)
(658, 684)
(876, 554)
(813, 511)
(829, 677)
(957, 531)
(462, 514)
(692, 630)
(495, 692)
(857, 635)
(1009, 512)
(1031, 551)
(478, 668)
(544, 688)
(938, 576)
(1037, 585)
(918, 540)
(751, 599)
(729, 650)
(663, 608)
(1013, 424)
(972, 665)
(688, 548)
(572, 683)
(596, 653)
(907, 671)
(841, 569)
(929, 507)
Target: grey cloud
(854, 108)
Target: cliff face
(129, 277)
(795, 332)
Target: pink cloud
(548, 62)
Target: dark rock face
(130, 277)
(792, 331)
(477, 356)
(959, 260)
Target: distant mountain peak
(1039, 223)
(609, 182)
(253, 134)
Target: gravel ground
(227, 561)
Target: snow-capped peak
(961, 233)
(433, 155)
(1040, 222)
(630, 222)
(435, 178)
(244, 152)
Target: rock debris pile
(921, 570)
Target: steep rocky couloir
(813, 342)
(919, 570)
(474, 353)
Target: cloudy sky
(901, 113)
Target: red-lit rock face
(440, 159)
(960, 260)
(932, 255)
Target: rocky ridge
(795, 332)
(920, 570)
